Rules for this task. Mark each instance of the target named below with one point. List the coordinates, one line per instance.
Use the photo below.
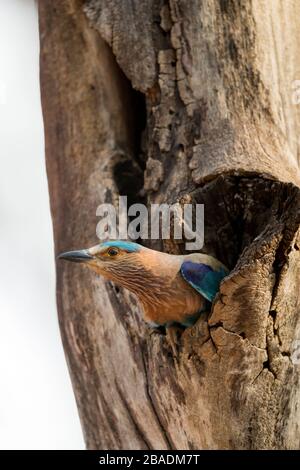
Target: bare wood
(220, 128)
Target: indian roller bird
(172, 289)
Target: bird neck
(172, 303)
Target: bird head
(123, 262)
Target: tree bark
(176, 101)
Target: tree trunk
(168, 101)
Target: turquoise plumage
(203, 278)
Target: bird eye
(112, 251)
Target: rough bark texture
(171, 101)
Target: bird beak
(80, 256)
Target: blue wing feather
(203, 278)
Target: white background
(37, 408)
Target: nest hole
(237, 209)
